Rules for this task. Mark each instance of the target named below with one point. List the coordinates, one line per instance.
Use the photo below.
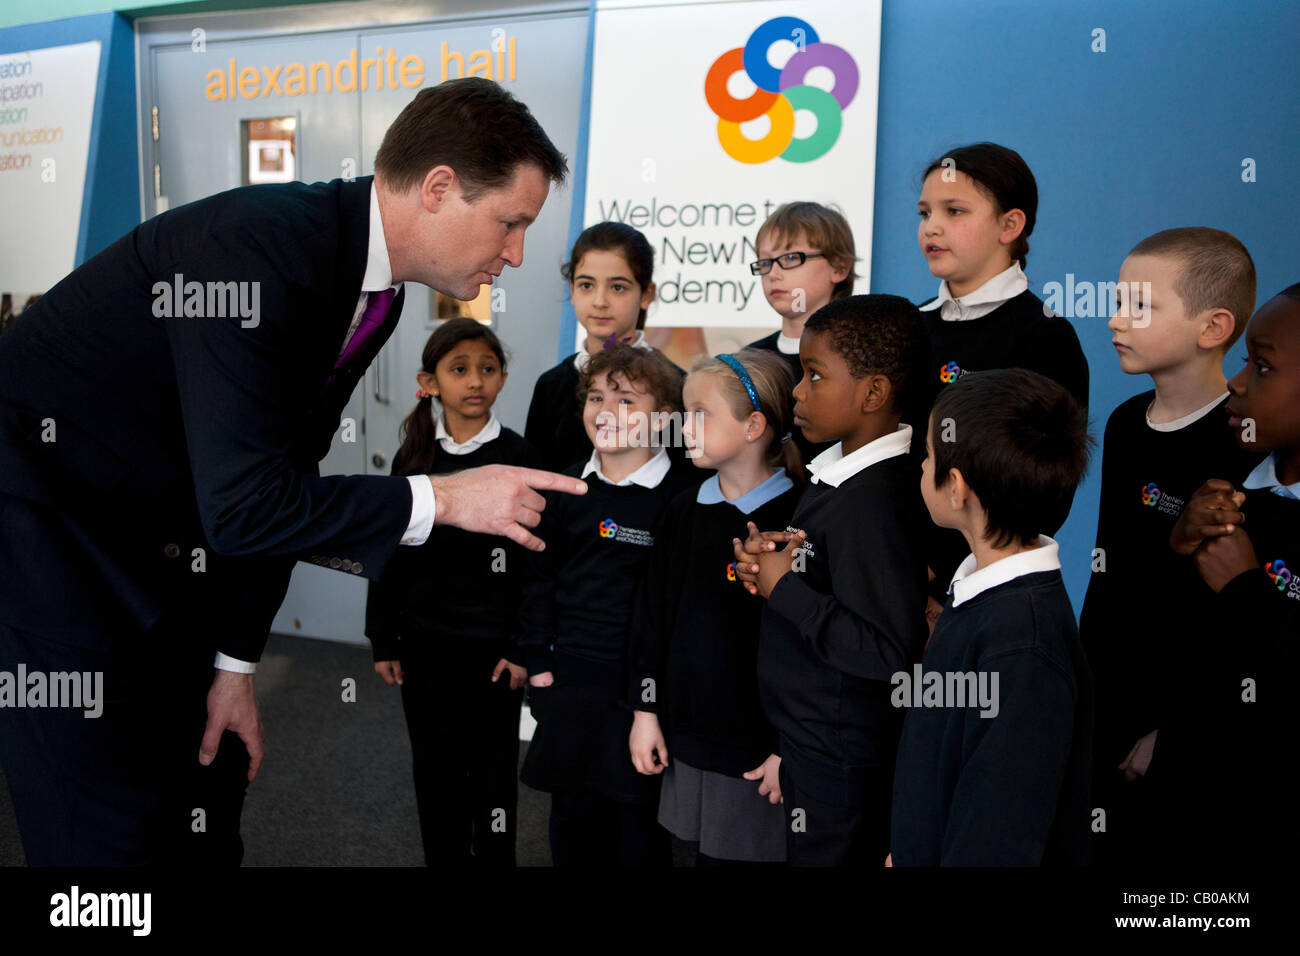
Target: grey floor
(335, 788)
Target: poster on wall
(705, 121)
(47, 101)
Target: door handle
(378, 459)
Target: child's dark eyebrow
(611, 278)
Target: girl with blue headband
(694, 638)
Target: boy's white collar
(968, 583)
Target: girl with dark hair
(460, 690)
(978, 206)
(610, 283)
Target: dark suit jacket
(184, 432)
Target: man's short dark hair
(472, 125)
(876, 335)
(1020, 441)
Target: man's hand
(747, 552)
(232, 706)
(498, 499)
(1212, 512)
(1219, 560)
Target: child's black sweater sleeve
(868, 624)
(536, 634)
(1028, 741)
(651, 625)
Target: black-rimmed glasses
(790, 260)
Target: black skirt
(581, 740)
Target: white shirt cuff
(423, 509)
(225, 663)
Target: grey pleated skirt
(724, 815)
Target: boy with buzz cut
(846, 596)
(1002, 782)
(1183, 299)
(1245, 545)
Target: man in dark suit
(162, 413)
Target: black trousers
(821, 834)
(591, 830)
(464, 732)
(124, 788)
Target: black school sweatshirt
(1017, 334)
(578, 592)
(1140, 609)
(835, 633)
(457, 585)
(695, 635)
(1012, 789)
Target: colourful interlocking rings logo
(1279, 573)
(1150, 495)
(780, 93)
(949, 373)
(608, 529)
(731, 571)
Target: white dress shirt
(489, 432)
(377, 277)
(647, 476)
(975, 305)
(787, 345)
(833, 467)
(968, 583)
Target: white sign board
(707, 116)
(47, 99)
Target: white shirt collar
(975, 305)
(787, 345)
(583, 357)
(487, 433)
(647, 476)
(1264, 475)
(379, 270)
(833, 467)
(1186, 420)
(968, 583)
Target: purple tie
(372, 318)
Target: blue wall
(1149, 135)
(111, 202)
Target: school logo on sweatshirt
(731, 571)
(1283, 578)
(949, 372)
(1162, 501)
(781, 93)
(612, 531)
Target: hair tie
(421, 394)
(745, 380)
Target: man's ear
(437, 187)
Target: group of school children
(821, 620)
